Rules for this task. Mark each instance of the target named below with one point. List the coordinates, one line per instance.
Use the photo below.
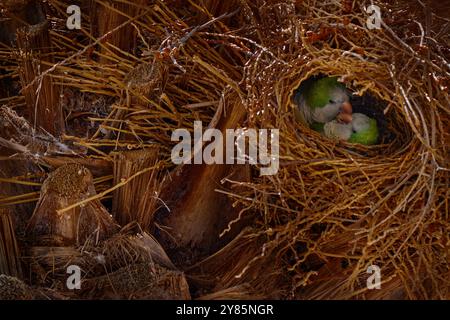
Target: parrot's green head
(323, 90)
(362, 130)
(323, 100)
(365, 130)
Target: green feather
(366, 137)
(318, 93)
(316, 126)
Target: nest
(333, 209)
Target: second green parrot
(362, 130)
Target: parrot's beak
(345, 115)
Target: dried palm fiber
(241, 292)
(18, 136)
(145, 78)
(89, 76)
(98, 167)
(15, 192)
(311, 209)
(8, 67)
(10, 263)
(48, 264)
(20, 142)
(15, 4)
(162, 109)
(40, 293)
(138, 199)
(42, 98)
(139, 281)
(12, 288)
(159, 109)
(14, 127)
(199, 221)
(16, 14)
(65, 186)
(13, 189)
(111, 14)
(121, 250)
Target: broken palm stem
(65, 185)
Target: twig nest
(13, 289)
(65, 186)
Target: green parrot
(362, 130)
(320, 101)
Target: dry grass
(138, 200)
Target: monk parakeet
(321, 101)
(362, 129)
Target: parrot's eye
(331, 101)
